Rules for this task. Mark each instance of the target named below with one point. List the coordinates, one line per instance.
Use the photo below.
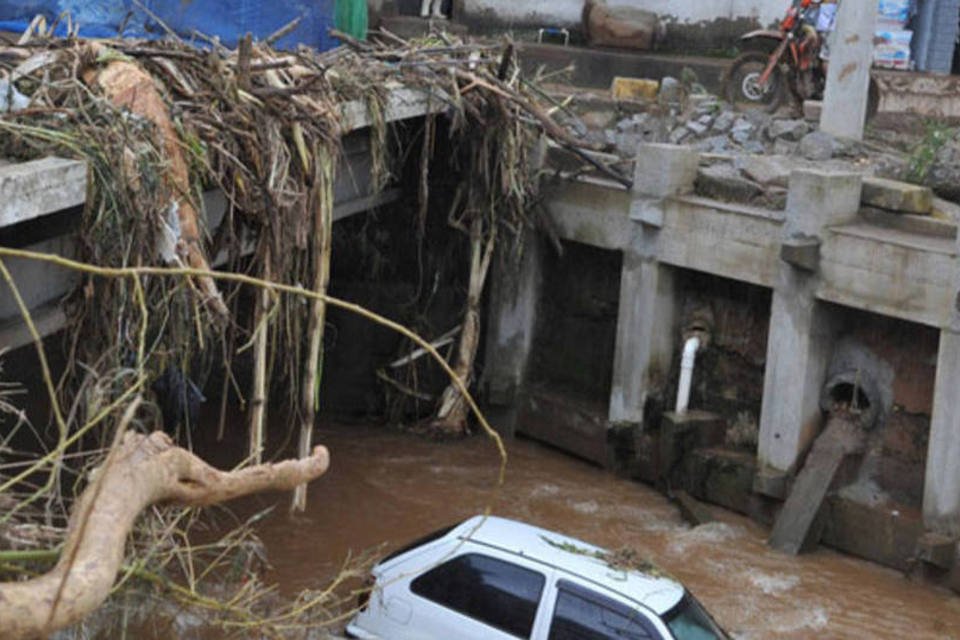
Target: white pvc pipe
(431, 9)
(690, 348)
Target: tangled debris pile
(158, 124)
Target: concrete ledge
(682, 433)
(771, 483)
(576, 426)
(729, 241)
(890, 272)
(48, 319)
(724, 477)
(29, 190)
(402, 104)
(885, 534)
(801, 252)
(937, 550)
(894, 195)
(591, 214)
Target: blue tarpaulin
(227, 19)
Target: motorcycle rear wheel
(741, 85)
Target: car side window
(500, 594)
(581, 614)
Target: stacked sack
(892, 48)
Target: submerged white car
(497, 579)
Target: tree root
(141, 471)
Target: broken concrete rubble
(766, 170)
(793, 130)
(724, 122)
(818, 145)
(723, 182)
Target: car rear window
(419, 542)
(500, 594)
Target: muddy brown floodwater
(387, 487)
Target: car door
(476, 595)
(581, 612)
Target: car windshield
(689, 621)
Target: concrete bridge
(824, 253)
(820, 255)
(40, 206)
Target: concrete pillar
(941, 488)
(645, 336)
(798, 353)
(512, 315)
(800, 342)
(848, 77)
(646, 330)
(941, 491)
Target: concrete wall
(567, 12)
(693, 23)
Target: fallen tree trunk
(322, 202)
(451, 416)
(141, 471)
(126, 84)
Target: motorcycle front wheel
(742, 83)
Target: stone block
(634, 88)
(681, 433)
(723, 477)
(818, 199)
(625, 27)
(665, 170)
(945, 210)
(697, 128)
(767, 170)
(771, 483)
(818, 146)
(724, 122)
(784, 147)
(714, 144)
(793, 130)
(692, 510)
(723, 182)
(679, 134)
(882, 534)
(812, 110)
(894, 195)
(937, 550)
(572, 425)
(803, 252)
(648, 211)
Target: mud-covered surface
(387, 487)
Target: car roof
(657, 592)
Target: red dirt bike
(784, 60)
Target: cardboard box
(893, 11)
(892, 49)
